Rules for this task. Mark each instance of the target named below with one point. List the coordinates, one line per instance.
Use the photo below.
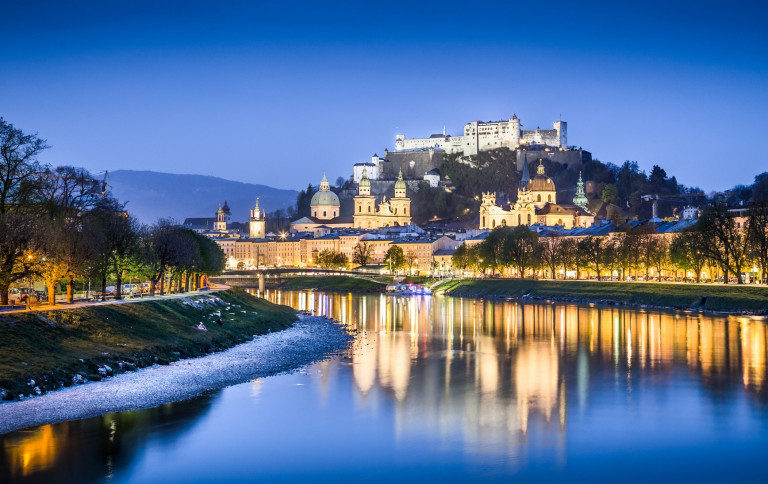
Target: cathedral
(388, 213)
(536, 204)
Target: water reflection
(92, 449)
(443, 387)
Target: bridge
(258, 278)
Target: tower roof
(364, 181)
(400, 184)
(525, 178)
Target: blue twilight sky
(277, 92)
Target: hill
(151, 195)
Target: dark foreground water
(448, 389)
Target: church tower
(580, 200)
(221, 220)
(258, 223)
(401, 204)
(524, 211)
(365, 205)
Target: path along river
(445, 389)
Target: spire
(443, 129)
(525, 178)
(324, 185)
(400, 185)
(256, 207)
(580, 200)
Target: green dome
(400, 184)
(324, 199)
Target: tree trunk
(152, 283)
(4, 294)
(71, 290)
(118, 285)
(104, 287)
(51, 285)
(162, 285)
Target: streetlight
(27, 267)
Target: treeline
(723, 244)
(61, 223)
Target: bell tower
(257, 224)
(221, 220)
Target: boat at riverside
(437, 388)
(408, 289)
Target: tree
(19, 168)
(19, 244)
(460, 258)
(521, 244)
(410, 260)
(757, 234)
(551, 252)
(325, 258)
(658, 254)
(492, 250)
(592, 253)
(569, 254)
(610, 193)
(687, 251)
(395, 258)
(362, 253)
(725, 242)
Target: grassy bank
(332, 283)
(734, 299)
(59, 348)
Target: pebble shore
(312, 338)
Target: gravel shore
(311, 339)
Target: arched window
(325, 214)
(559, 221)
(549, 198)
(359, 208)
(538, 197)
(405, 211)
(493, 223)
(504, 223)
(519, 219)
(529, 219)
(369, 209)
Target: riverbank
(46, 350)
(331, 283)
(720, 298)
(309, 340)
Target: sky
(279, 92)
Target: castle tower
(562, 133)
(400, 203)
(221, 220)
(258, 224)
(580, 200)
(365, 205)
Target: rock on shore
(310, 339)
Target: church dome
(541, 182)
(325, 199)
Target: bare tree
(362, 253)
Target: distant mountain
(151, 195)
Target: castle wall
(572, 158)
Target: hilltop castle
(483, 136)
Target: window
(538, 198)
(324, 214)
(529, 219)
(519, 219)
(549, 198)
(493, 223)
(359, 208)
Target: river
(438, 388)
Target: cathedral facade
(388, 213)
(536, 204)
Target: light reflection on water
(446, 387)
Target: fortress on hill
(481, 136)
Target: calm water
(442, 388)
